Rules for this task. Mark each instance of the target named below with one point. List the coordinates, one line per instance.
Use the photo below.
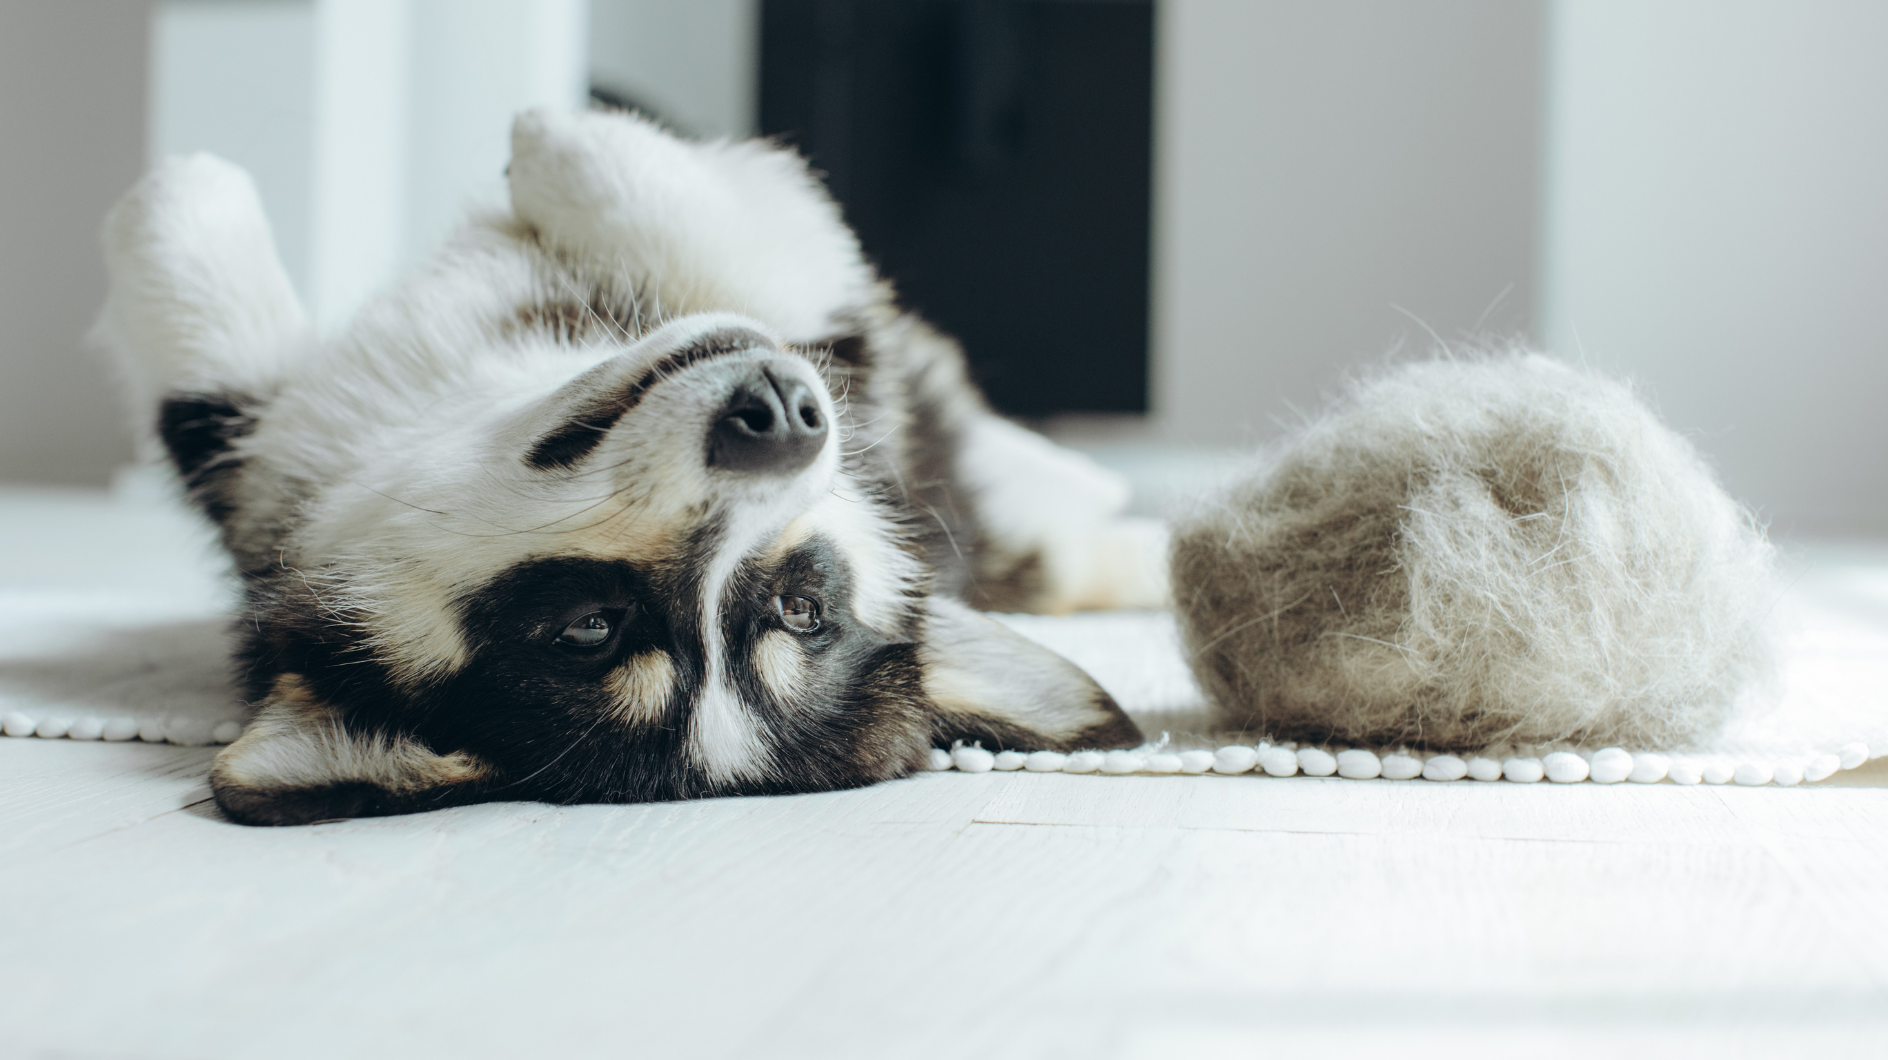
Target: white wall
(371, 126)
(475, 63)
(238, 80)
(1717, 225)
(72, 125)
(695, 64)
(1319, 162)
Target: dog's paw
(198, 299)
(737, 226)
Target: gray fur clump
(1470, 553)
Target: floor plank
(1001, 915)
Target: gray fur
(1466, 553)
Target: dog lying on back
(643, 490)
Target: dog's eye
(798, 613)
(589, 631)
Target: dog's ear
(989, 684)
(298, 763)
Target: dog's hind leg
(199, 303)
(1054, 534)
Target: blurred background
(1162, 228)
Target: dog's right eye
(589, 631)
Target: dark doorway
(994, 156)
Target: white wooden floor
(951, 915)
(947, 915)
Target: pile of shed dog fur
(1474, 552)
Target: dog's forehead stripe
(724, 735)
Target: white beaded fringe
(1610, 765)
(182, 730)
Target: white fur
(726, 224)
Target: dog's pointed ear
(297, 763)
(991, 685)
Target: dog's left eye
(590, 631)
(798, 613)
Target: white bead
(1162, 763)
(1610, 766)
(86, 729)
(972, 759)
(1358, 764)
(1853, 754)
(1564, 767)
(1753, 774)
(1234, 760)
(1649, 768)
(1196, 761)
(53, 728)
(120, 729)
(1278, 762)
(1399, 766)
(1788, 774)
(1718, 772)
(1523, 770)
(1480, 768)
(1010, 761)
(1121, 763)
(13, 723)
(1082, 762)
(1444, 767)
(1685, 771)
(188, 731)
(1045, 761)
(1821, 767)
(1316, 762)
(939, 761)
(151, 730)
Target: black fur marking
(852, 351)
(546, 716)
(198, 430)
(1014, 586)
(549, 722)
(858, 716)
(318, 804)
(593, 418)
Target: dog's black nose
(771, 424)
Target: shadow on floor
(1868, 775)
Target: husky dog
(643, 490)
